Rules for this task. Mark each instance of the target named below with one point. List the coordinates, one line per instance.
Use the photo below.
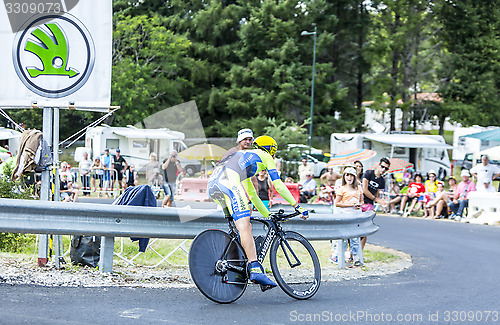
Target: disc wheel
(210, 267)
(295, 265)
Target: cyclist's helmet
(266, 143)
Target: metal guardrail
(110, 221)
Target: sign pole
(43, 240)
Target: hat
(431, 172)
(117, 150)
(309, 174)
(465, 172)
(106, 149)
(350, 170)
(244, 133)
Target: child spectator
(349, 198)
(415, 193)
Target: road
(454, 280)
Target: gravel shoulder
(17, 271)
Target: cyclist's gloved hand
(304, 214)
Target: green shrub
(14, 190)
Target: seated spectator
(289, 180)
(394, 195)
(68, 190)
(415, 194)
(461, 198)
(325, 195)
(452, 182)
(131, 178)
(438, 207)
(308, 188)
(430, 190)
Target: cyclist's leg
(236, 199)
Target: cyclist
(228, 178)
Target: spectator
(325, 195)
(203, 174)
(430, 190)
(452, 182)
(68, 190)
(153, 170)
(349, 199)
(170, 168)
(131, 177)
(289, 180)
(244, 140)
(359, 170)
(107, 164)
(97, 175)
(394, 195)
(373, 183)
(438, 207)
(485, 173)
(84, 168)
(415, 193)
(328, 179)
(120, 165)
(304, 169)
(265, 188)
(308, 188)
(461, 196)
(180, 177)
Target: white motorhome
(465, 145)
(136, 145)
(10, 139)
(426, 152)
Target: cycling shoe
(257, 275)
(263, 280)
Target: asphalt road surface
(454, 280)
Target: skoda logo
(53, 55)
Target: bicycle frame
(273, 229)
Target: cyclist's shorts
(225, 184)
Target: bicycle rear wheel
(218, 266)
(295, 265)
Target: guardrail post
(106, 255)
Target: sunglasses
(385, 167)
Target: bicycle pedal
(265, 287)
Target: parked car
(467, 162)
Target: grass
(179, 258)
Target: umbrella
(491, 135)
(397, 165)
(350, 156)
(203, 151)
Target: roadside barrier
(110, 221)
(484, 208)
(293, 188)
(193, 189)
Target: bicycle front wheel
(295, 265)
(217, 265)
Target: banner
(56, 54)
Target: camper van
(9, 140)
(136, 145)
(426, 152)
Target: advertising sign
(56, 54)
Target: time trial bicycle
(218, 263)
